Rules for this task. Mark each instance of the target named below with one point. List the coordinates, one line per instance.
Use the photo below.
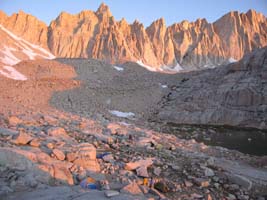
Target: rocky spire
(103, 9)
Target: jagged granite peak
(156, 33)
(193, 45)
(67, 18)
(103, 11)
(26, 26)
(159, 23)
(123, 24)
(241, 33)
(123, 20)
(103, 8)
(254, 16)
(63, 17)
(3, 17)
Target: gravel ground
(104, 88)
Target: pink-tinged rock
(202, 182)
(117, 129)
(87, 150)
(154, 45)
(44, 158)
(209, 197)
(142, 171)
(59, 154)
(86, 157)
(88, 164)
(35, 142)
(63, 174)
(23, 138)
(59, 133)
(50, 145)
(91, 127)
(50, 119)
(55, 131)
(132, 189)
(71, 156)
(58, 171)
(13, 121)
(134, 165)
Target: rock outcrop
(234, 94)
(14, 49)
(98, 35)
(27, 27)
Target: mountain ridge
(13, 50)
(98, 35)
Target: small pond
(245, 140)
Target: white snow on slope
(8, 55)
(118, 68)
(12, 73)
(46, 54)
(9, 58)
(139, 62)
(122, 114)
(163, 68)
(163, 86)
(232, 60)
(177, 68)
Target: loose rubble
(47, 153)
(67, 151)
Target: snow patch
(139, 62)
(163, 86)
(25, 44)
(124, 123)
(118, 68)
(209, 66)
(231, 60)
(122, 114)
(163, 68)
(177, 68)
(12, 73)
(9, 58)
(49, 55)
(29, 53)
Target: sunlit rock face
(192, 45)
(26, 26)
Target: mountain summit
(191, 45)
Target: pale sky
(146, 11)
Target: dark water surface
(249, 141)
